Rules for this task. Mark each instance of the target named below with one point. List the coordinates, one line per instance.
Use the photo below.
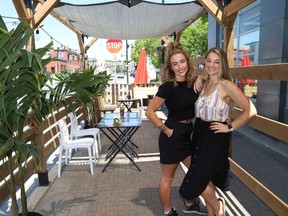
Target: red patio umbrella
(245, 59)
(141, 76)
(246, 62)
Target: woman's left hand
(218, 127)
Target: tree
(151, 46)
(193, 39)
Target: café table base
(121, 142)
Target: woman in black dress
(176, 91)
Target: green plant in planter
(21, 82)
(82, 87)
(22, 91)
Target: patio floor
(122, 189)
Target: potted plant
(85, 87)
(20, 91)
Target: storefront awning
(129, 19)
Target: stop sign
(114, 46)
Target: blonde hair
(167, 74)
(224, 70)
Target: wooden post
(229, 38)
(80, 38)
(31, 41)
(229, 48)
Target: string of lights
(53, 39)
(8, 17)
(37, 32)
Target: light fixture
(37, 36)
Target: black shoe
(171, 213)
(194, 208)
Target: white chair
(66, 144)
(76, 133)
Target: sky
(54, 30)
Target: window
(249, 46)
(60, 55)
(249, 20)
(71, 57)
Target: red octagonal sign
(114, 46)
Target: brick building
(65, 59)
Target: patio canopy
(130, 19)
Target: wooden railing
(47, 141)
(115, 91)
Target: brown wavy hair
(167, 74)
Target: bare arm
(153, 106)
(199, 83)
(236, 95)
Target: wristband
(230, 127)
(163, 127)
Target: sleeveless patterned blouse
(211, 107)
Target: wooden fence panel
(268, 126)
(50, 139)
(267, 196)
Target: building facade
(64, 60)
(260, 33)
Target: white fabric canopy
(129, 19)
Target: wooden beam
(268, 126)
(43, 10)
(82, 49)
(31, 42)
(268, 197)
(258, 72)
(21, 10)
(80, 42)
(198, 60)
(91, 43)
(261, 72)
(235, 6)
(62, 19)
(49, 7)
(213, 9)
(229, 38)
(220, 5)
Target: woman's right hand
(198, 84)
(169, 132)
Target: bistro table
(120, 135)
(128, 103)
